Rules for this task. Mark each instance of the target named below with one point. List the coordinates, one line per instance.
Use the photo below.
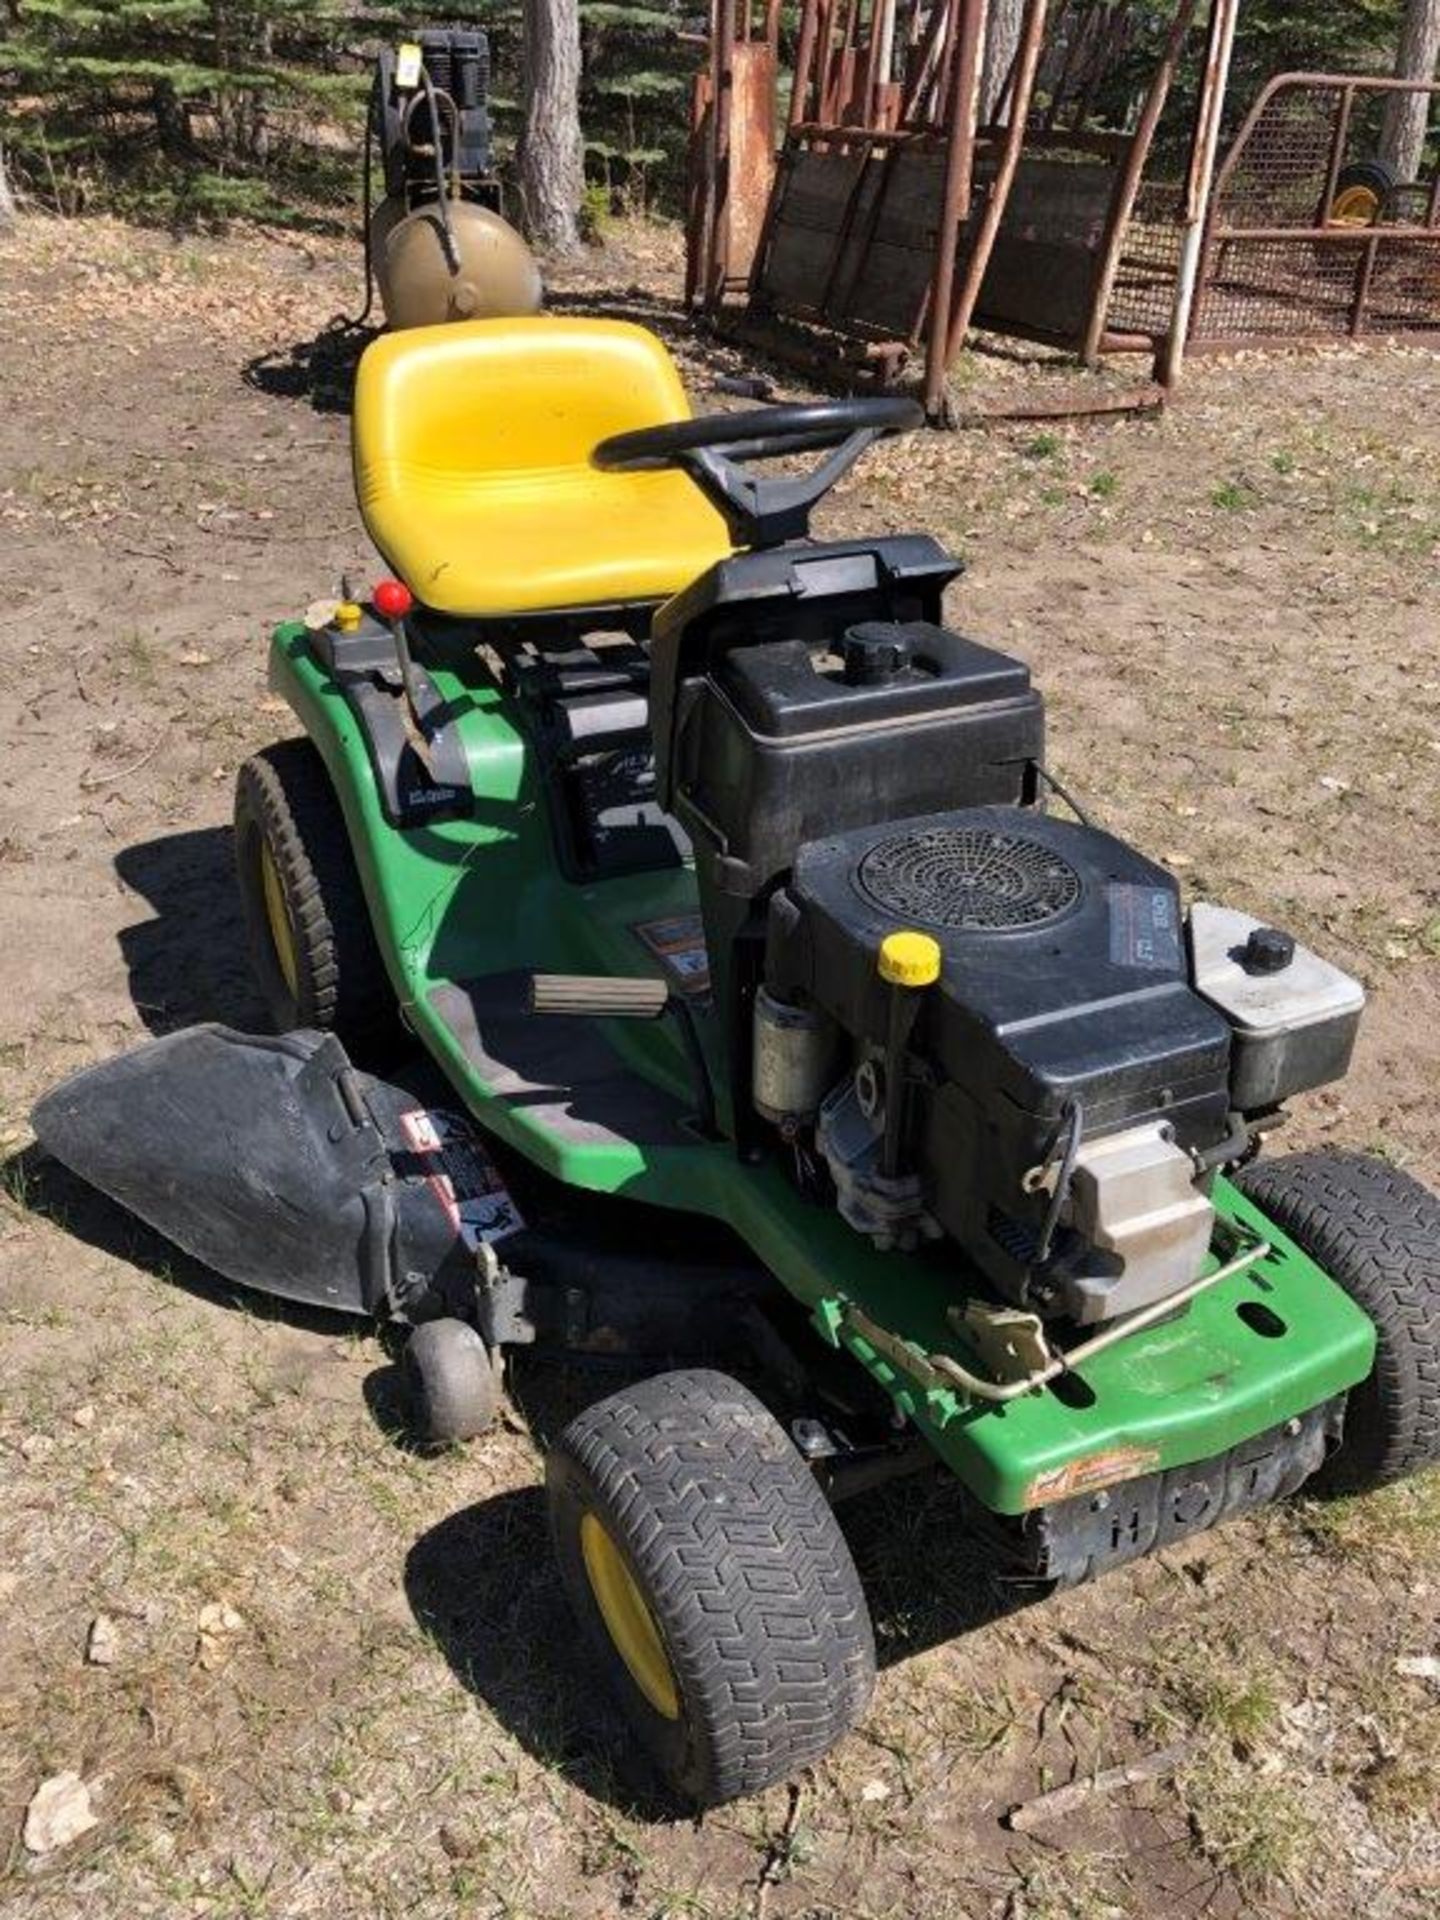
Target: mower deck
(611, 1109)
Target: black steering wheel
(715, 450)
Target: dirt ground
(343, 1681)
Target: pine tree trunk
(552, 175)
(1002, 42)
(172, 122)
(7, 198)
(1402, 139)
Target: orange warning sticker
(679, 945)
(1089, 1472)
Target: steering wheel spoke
(719, 450)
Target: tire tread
(285, 790)
(750, 1578)
(1376, 1231)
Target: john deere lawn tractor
(774, 1025)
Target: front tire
(312, 946)
(1376, 1232)
(712, 1583)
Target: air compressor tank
(493, 274)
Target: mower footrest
(561, 1071)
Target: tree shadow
(482, 1585)
(731, 366)
(189, 963)
(320, 371)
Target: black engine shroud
(846, 766)
(1064, 979)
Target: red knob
(392, 599)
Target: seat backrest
(503, 396)
(480, 434)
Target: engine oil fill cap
(909, 959)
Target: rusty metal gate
(1306, 237)
(888, 192)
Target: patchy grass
(1400, 1523)
(1234, 496)
(1255, 1829)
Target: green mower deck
(466, 910)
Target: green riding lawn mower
(781, 1028)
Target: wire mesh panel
(1142, 300)
(1313, 235)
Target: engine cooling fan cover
(971, 876)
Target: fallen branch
(87, 785)
(77, 667)
(150, 553)
(778, 1858)
(1062, 1800)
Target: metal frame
(1083, 43)
(878, 85)
(732, 148)
(1234, 247)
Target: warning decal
(462, 1176)
(679, 945)
(1090, 1472)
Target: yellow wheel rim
(628, 1620)
(1355, 207)
(282, 934)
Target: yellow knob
(347, 616)
(910, 959)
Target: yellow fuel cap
(347, 616)
(910, 959)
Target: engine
(1060, 1028)
(992, 1028)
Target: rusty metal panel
(890, 259)
(1287, 257)
(731, 160)
(814, 191)
(752, 155)
(1046, 261)
(882, 210)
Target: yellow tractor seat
(472, 448)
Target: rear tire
(712, 1583)
(452, 1382)
(1376, 1232)
(311, 942)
